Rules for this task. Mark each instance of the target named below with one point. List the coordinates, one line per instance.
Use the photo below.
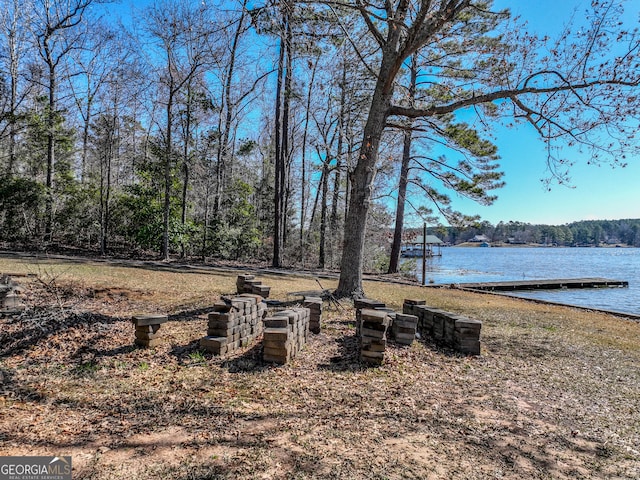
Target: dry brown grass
(555, 394)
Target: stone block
(374, 316)
(146, 335)
(280, 359)
(367, 332)
(215, 345)
(148, 343)
(404, 320)
(404, 330)
(374, 326)
(147, 328)
(262, 290)
(438, 326)
(374, 346)
(227, 316)
(143, 320)
(221, 307)
(468, 324)
(220, 332)
(222, 324)
(413, 301)
(279, 334)
(369, 303)
(404, 338)
(470, 348)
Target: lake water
(462, 265)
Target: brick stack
(404, 328)
(412, 307)
(248, 284)
(454, 331)
(467, 335)
(234, 324)
(362, 303)
(10, 296)
(373, 335)
(314, 304)
(147, 327)
(285, 334)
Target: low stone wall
(10, 296)
(454, 331)
(248, 284)
(285, 334)
(147, 327)
(234, 324)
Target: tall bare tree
(59, 29)
(571, 94)
(15, 18)
(180, 32)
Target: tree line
(286, 131)
(583, 233)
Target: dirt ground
(555, 393)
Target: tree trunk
(167, 175)
(303, 187)
(394, 260)
(51, 152)
(335, 198)
(223, 142)
(280, 142)
(185, 169)
(350, 283)
(323, 212)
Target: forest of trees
(583, 233)
(284, 131)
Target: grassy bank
(555, 393)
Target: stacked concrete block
(10, 296)
(467, 335)
(285, 334)
(404, 328)
(248, 284)
(373, 335)
(412, 307)
(314, 304)
(368, 303)
(455, 331)
(234, 324)
(147, 327)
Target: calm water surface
(461, 265)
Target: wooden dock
(554, 284)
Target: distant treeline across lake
(463, 265)
(582, 233)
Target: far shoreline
(533, 245)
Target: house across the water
(413, 247)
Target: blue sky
(597, 192)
